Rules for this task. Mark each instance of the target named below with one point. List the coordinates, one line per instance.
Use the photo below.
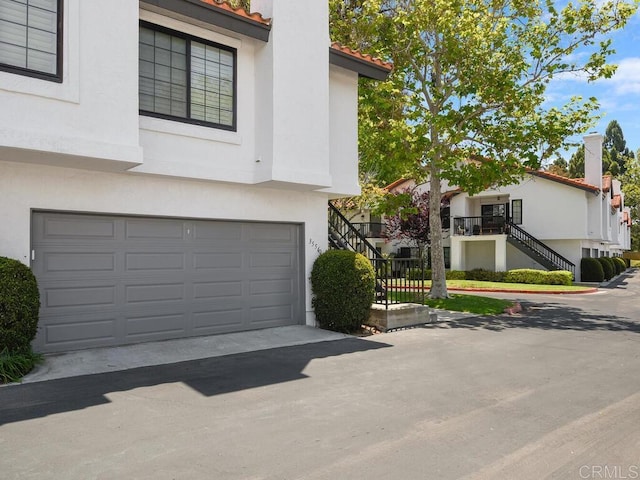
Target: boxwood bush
(592, 270)
(538, 277)
(19, 308)
(343, 285)
(482, 275)
(620, 264)
(607, 267)
(19, 305)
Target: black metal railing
(400, 280)
(344, 235)
(370, 229)
(484, 225)
(545, 255)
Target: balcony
(484, 225)
(370, 229)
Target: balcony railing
(485, 225)
(370, 229)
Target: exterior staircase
(344, 236)
(538, 251)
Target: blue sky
(619, 97)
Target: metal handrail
(540, 248)
(347, 233)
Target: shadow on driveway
(547, 316)
(209, 376)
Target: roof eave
(362, 67)
(586, 187)
(212, 15)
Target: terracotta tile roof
(606, 183)
(362, 56)
(574, 182)
(616, 202)
(396, 184)
(626, 218)
(241, 12)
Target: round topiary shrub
(607, 267)
(19, 306)
(621, 266)
(592, 270)
(343, 285)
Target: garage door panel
(154, 229)
(152, 327)
(146, 262)
(217, 290)
(73, 331)
(75, 296)
(154, 293)
(225, 320)
(119, 280)
(68, 228)
(221, 232)
(216, 261)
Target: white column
(501, 254)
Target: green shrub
(456, 275)
(481, 275)
(559, 277)
(592, 270)
(343, 285)
(620, 264)
(607, 267)
(19, 306)
(14, 366)
(526, 275)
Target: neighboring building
(546, 221)
(165, 165)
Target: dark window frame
(52, 77)
(189, 39)
(514, 219)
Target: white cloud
(626, 80)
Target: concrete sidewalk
(111, 359)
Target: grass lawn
(456, 302)
(470, 303)
(473, 284)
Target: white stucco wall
(53, 188)
(93, 114)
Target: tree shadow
(209, 376)
(548, 316)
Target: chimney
(593, 159)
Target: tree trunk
(438, 275)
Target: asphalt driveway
(551, 393)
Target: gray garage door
(114, 280)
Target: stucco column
(457, 253)
(501, 254)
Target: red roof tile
(362, 56)
(241, 12)
(574, 182)
(616, 201)
(626, 218)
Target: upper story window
(31, 38)
(186, 78)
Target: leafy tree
(474, 75)
(616, 146)
(631, 189)
(410, 221)
(559, 167)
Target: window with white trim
(31, 38)
(516, 211)
(186, 78)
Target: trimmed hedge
(343, 285)
(592, 270)
(481, 275)
(538, 277)
(607, 267)
(620, 264)
(19, 306)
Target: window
(31, 38)
(516, 211)
(186, 79)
